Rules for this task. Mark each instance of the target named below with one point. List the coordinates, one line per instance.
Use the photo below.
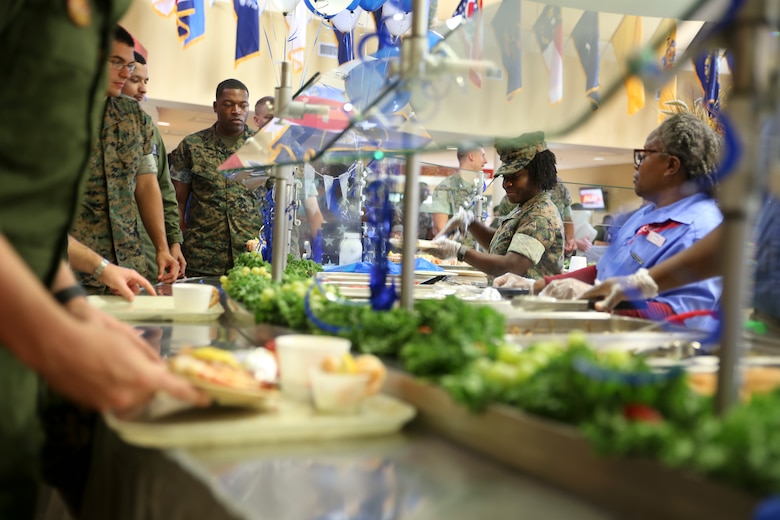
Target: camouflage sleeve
(148, 162)
(170, 206)
(441, 201)
(535, 234)
(181, 163)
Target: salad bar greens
(616, 400)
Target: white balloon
(330, 7)
(346, 20)
(285, 6)
(396, 21)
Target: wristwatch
(461, 255)
(100, 268)
(63, 296)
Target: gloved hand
(457, 225)
(511, 280)
(565, 289)
(639, 285)
(444, 248)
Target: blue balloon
(367, 81)
(405, 5)
(370, 5)
(354, 5)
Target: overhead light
(598, 158)
(452, 148)
(163, 123)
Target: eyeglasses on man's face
(641, 154)
(119, 64)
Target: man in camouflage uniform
(529, 241)
(223, 213)
(458, 190)
(135, 88)
(120, 184)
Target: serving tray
(292, 421)
(150, 308)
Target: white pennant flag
(344, 183)
(327, 181)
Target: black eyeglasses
(119, 64)
(640, 155)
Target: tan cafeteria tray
(150, 308)
(291, 422)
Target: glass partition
(498, 74)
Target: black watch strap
(63, 296)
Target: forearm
(182, 195)
(29, 316)
(694, 264)
(439, 221)
(482, 234)
(313, 215)
(149, 200)
(170, 208)
(568, 231)
(496, 265)
(81, 258)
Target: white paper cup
(577, 262)
(298, 353)
(338, 393)
(191, 297)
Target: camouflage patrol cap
(515, 153)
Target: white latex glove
(511, 280)
(637, 286)
(566, 289)
(444, 248)
(457, 225)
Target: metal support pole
(750, 40)
(281, 238)
(412, 65)
(411, 225)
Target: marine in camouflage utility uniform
(223, 213)
(107, 219)
(561, 197)
(64, 65)
(534, 230)
(170, 206)
(451, 194)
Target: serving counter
(415, 474)
(446, 463)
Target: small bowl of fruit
(341, 383)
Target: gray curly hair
(694, 143)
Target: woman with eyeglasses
(674, 174)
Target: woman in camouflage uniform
(529, 241)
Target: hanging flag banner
(190, 21)
(327, 183)
(297, 21)
(472, 34)
(549, 34)
(586, 40)
(706, 66)
(666, 54)
(626, 40)
(344, 184)
(506, 25)
(164, 7)
(247, 29)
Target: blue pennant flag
(247, 29)
(190, 21)
(586, 40)
(506, 25)
(705, 64)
